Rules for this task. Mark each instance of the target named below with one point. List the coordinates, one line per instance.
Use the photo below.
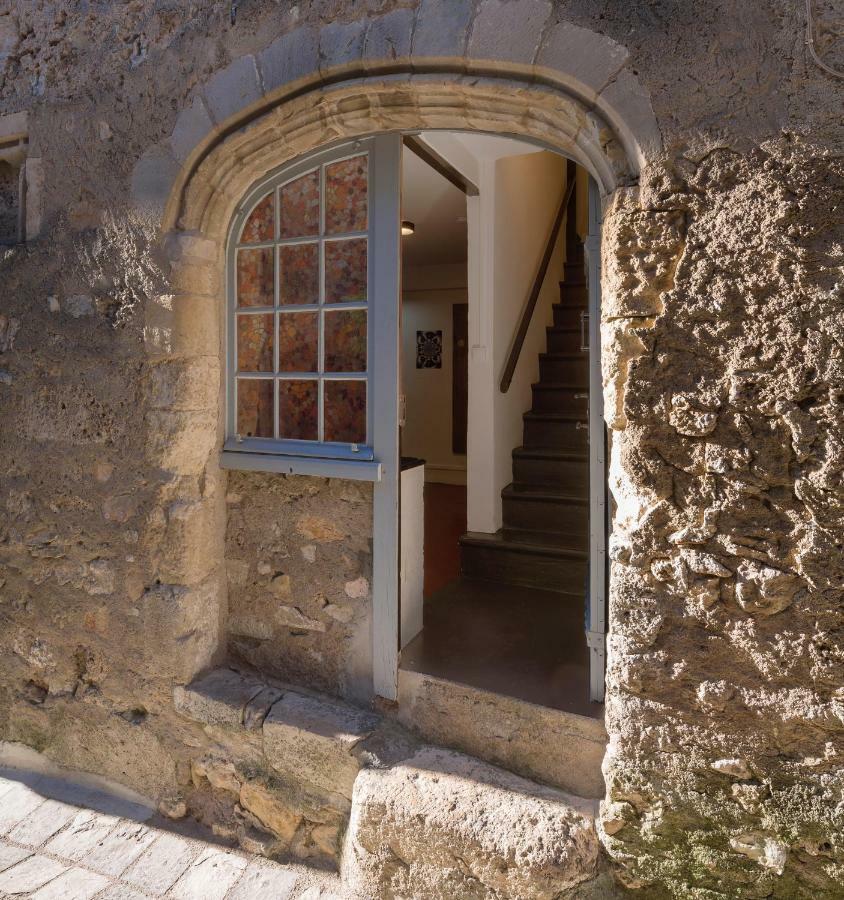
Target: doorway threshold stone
(559, 748)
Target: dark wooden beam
(438, 164)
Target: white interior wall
(428, 295)
(520, 188)
(528, 190)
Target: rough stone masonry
(130, 564)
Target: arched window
(300, 339)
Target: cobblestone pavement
(62, 840)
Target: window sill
(352, 469)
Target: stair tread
(550, 453)
(543, 416)
(526, 541)
(543, 493)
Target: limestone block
(442, 27)
(178, 628)
(341, 43)
(233, 89)
(764, 590)
(189, 549)
(181, 246)
(270, 808)
(626, 95)
(552, 746)
(218, 698)
(442, 825)
(257, 708)
(508, 31)
(587, 58)
(313, 740)
(192, 126)
(180, 441)
(291, 56)
(152, 179)
(184, 385)
(388, 37)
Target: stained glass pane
(255, 343)
(345, 411)
(255, 277)
(298, 410)
(255, 407)
(298, 342)
(299, 281)
(345, 195)
(345, 270)
(345, 341)
(260, 226)
(300, 206)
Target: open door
(384, 279)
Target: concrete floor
(510, 640)
(63, 841)
(515, 641)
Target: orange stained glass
(255, 277)
(298, 409)
(255, 343)
(255, 407)
(346, 195)
(299, 206)
(345, 340)
(345, 271)
(345, 411)
(299, 281)
(260, 226)
(298, 342)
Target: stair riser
(564, 342)
(548, 573)
(544, 516)
(560, 435)
(574, 293)
(569, 371)
(567, 316)
(571, 474)
(575, 401)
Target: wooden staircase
(544, 539)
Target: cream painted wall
(428, 294)
(528, 190)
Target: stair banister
(538, 281)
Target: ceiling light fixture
(407, 227)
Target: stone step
(558, 748)
(568, 314)
(560, 397)
(563, 339)
(544, 508)
(571, 368)
(527, 558)
(444, 826)
(304, 768)
(550, 466)
(558, 430)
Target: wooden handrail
(530, 306)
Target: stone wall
(723, 369)
(299, 561)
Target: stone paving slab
(59, 849)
